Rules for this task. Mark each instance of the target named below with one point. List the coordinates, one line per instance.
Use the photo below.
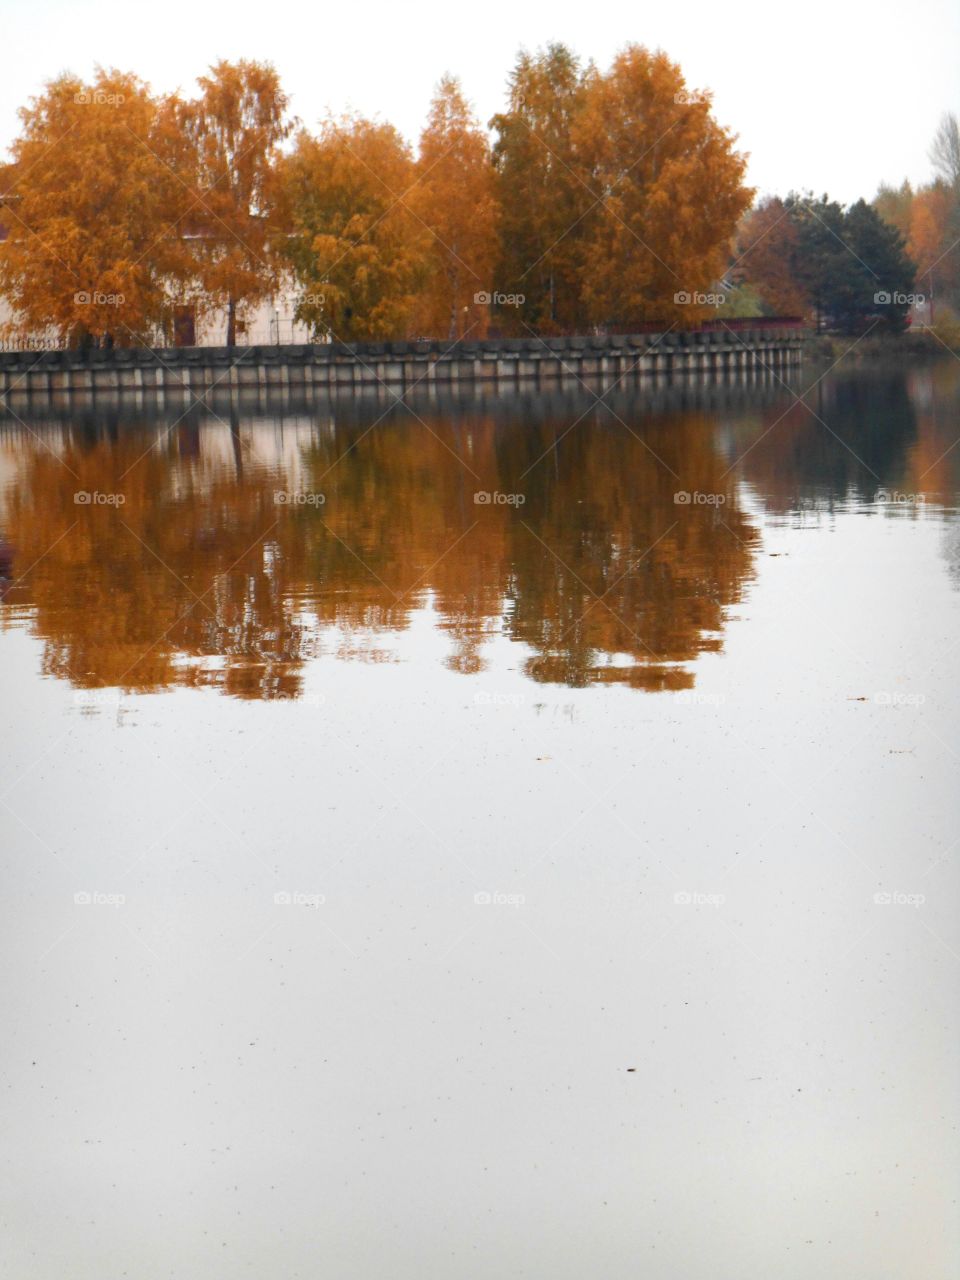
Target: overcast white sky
(834, 95)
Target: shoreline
(922, 344)
(507, 362)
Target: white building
(271, 323)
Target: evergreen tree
(887, 274)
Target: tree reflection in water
(202, 577)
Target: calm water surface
(404, 883)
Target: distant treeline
(868, 264)
(603, 199)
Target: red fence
(739, 323)
(735, 324)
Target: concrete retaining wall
(402, 365)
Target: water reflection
(229, 546)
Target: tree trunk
(235, 440)
(231, 322)
(453, 329)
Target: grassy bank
(938, 340)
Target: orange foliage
(766, 249)
(604, 197)
(454, 198)
(930, 221)
(359, 253)
(90, 207)
(670, 187)
(200, 577)
(232, 134)
(544, 200)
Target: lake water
(498, 838)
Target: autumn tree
(935, 218)
(90, 209)
(766, 258)
(359, 253)
(8, 181)
(544, 200)
(231, 194)
(895, 205)
(670, 188)
(454, 200)
(933, 237)
(929, 215)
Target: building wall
(270, 319)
